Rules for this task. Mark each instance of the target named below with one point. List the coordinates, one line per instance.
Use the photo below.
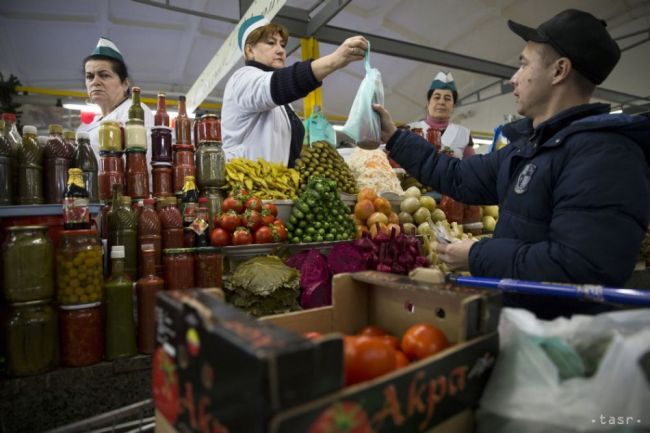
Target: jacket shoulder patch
(524, 178)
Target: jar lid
(180, 147)
(54, 128)
(161, 164)
(80, 306)
(29, 129)
(82, 135)
(30, 303)
(137, 122)
(210, 115)
(25, 228)
(207, 250)
(161, 127)
(172, 251)
(85, 232)
(136, 149)
(210, 143)
(110, 154)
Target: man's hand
(455, 255)
(388, 127)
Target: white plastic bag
(525, 392)
(363, 124)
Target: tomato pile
(373, 352)
(245, 220)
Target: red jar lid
(85, 232)
(80, 306)
(178, 147)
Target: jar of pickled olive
(27, 263)
(81, 330)
(79, 268)
(32, 338)
(207, 267)
(110, 136)
(178, 265)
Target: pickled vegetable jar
(178, 264)
(32, 338)
(79, 268)
(27, 260)
(82, 334)
(110, 136)
(210, 165)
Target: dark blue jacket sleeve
(293, 82)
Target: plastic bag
(363, 124)
(538, 384)
(317, 128)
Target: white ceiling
(44, 42)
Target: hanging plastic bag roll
(363, 124)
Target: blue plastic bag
(363, 124)
(317, 128)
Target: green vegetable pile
(321, 159)
(319, 215)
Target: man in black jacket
(573, 186)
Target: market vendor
(107, 84)
(572, 186)
(256, 118)
(441, 99)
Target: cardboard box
(281, 386)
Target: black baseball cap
(581, 37)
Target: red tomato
(392, 340)
(220, 237)
(372, 330)
(366, 358)
(422, 340)
(265, 235)
(166, 391)
(313, 335)
(267, 217)
(345, 416)
(242, 236)
(232, 203)
(252, 219)
(254, 203)
(229, 221)
(239, 192)
(281, 229)
(401, 360)
(271, 207)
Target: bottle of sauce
(183, 124)
(76, 213)
(85, 159)
(136, 111)
(15, 143)
(122, 229)
(146, 288)
(137, 176)
(200, 224)
(161, 118)
(120, 327)
(171, 222)
(189, 201)
(30, 168)
(7, 166)
(69, 138)
(150, 233)
(57, 161)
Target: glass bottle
(76, 213)
(215, 198)
(7, 167)
(30, 168)
(135, 135)
(136, 111)
(150, 232)
(161, 118)
(56, 162)
(85, 159)
(183, 124)
(171, 222)
(189, 201)
(200, 224)
(120, 326)
(122, 229)
(15, 143)
(146, 288)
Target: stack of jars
(111, 163)
(32, 333)
(161, 151)
(210, 162)
(79, 294)
(183, 157)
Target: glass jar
(207, 267)
(110, 136)
(135, 134)
(32, 338)
(215, 198)
(79, 270)
(111, 171)
(82, 334)
(161, 144)
(27, 260)
(209, 128)
(161, 177)
(210, 165)
(137, 176)
(178, 264)
(183, 165)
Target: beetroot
(315, 280)
(345, 258)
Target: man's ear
(563, 68)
